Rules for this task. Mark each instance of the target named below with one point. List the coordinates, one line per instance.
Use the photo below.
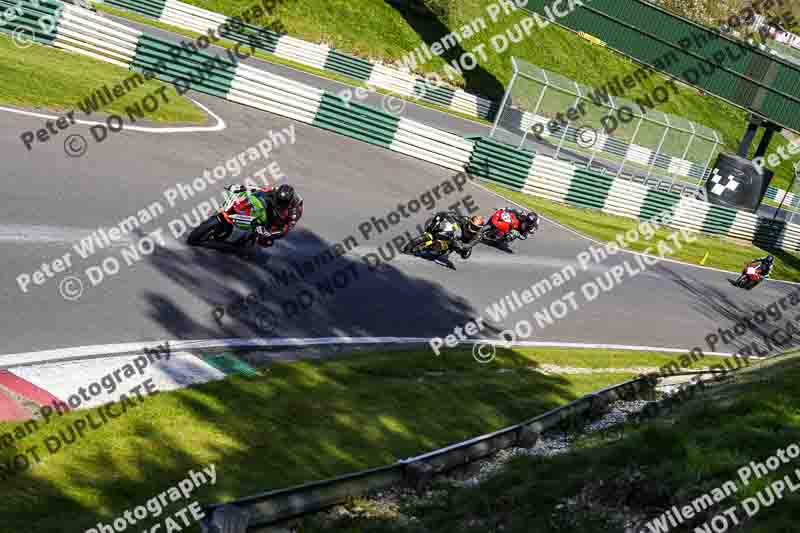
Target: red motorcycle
(750, 276)
(500, 226)
(231, 225)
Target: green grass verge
(642, 472)
(722, 253)
(272, 58)
(45, 77)
(376, 30)
(294, 423)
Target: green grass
(603, 358)
(375, 30)
(663, 462)
(45, 77)
(294, 423)
(272, 58)
(725, 254)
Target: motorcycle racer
(511, 224)
(766, 265)
(275, 211)
(461, 233)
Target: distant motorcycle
(230, 225)
(749, 278)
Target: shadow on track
(292, 423)
(298, 288)
(432, 30)
(720, 306)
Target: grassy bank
(45, 77)
(272, 58)
(725, 254)
(295, 422)
(620, 484)
(376, 30)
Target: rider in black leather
(461, 233)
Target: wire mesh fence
(553, 114)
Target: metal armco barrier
(199, 20)
(280, 505)
(576, 185)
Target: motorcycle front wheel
(211, 230)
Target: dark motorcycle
(434, 243)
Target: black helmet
(768, 259)
(285, 195)
(532, 221)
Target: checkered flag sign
(723, 184)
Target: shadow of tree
(293, 423)
(720, 307)
(431, 29)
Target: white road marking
(79, 353)
(18, 233)
(219, 126)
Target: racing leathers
(452, 228)
(271, 219)
(765, 266)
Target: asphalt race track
(176, 292)
(444, 121)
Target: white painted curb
(113, 350)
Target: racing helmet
(769, 259)
(532, 221)
(285, 195)
(476, 223)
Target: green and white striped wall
(224, 76)
(192, 18)
(80, 31)
(200, 20)
(579, 186)
(779, 195)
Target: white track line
(112, 350)
(19, 233)
(219, 126)
(625, 251)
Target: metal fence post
(538, 105)
(688, 144)
(708, 163)
(566, 129)
(635, 133)
(660, 145)
(505, 99)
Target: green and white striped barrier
(779, 195)
(81, 31)
(199, 20)
(579, 186)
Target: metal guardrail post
(226, 519)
